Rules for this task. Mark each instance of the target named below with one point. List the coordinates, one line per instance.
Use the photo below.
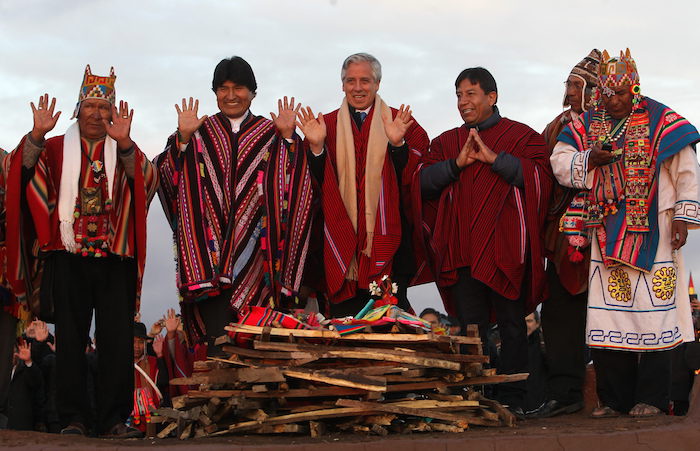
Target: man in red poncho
(81, 199)
(363, 155)
(485, 187)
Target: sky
(165, 50)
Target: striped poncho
(33, 219)
(239, 206)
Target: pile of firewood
(319, 381)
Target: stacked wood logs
(318, 381)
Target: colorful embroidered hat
(96, 87)
(587, 68)
(587, 71)
(616, 72)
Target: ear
(111, 71)
(627, 53)
(493, 97)
(88, 71)
(605, 57)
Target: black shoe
(122, 431)
(553, 408)
(517, 412)
(74, 429)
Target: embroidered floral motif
(664, 282)
(619, 285)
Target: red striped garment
(483, 222)
(38, 228)
(341, 241)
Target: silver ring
(125, 117)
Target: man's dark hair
(234, 69)
(480, 76)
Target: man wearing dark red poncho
(363, 155)
(485, 188)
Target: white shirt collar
(236, 122)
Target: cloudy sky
(165, 50)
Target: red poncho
(484, 223)
(341, 241)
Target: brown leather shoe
(75, 429)
(122, 431)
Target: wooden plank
(167, 430)
(309, 333)
(292, 393)
(498, 379)
(256, 354)
(343, 379)
(505, 415)
(389, 407)
(231, 375)
(361, 353)
(295, 417)
(433, 404)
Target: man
(486, 185)
(236, 190)
(564, 312)
(88, 193)
(632, 160)
(363, 155)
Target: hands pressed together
(473, 150)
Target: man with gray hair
(363, 156)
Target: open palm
(396, 128)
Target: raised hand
(41, 331)
(396, 128)
(156, 328)
(481, 151)
(187, 120)
(313, 128)
(120, 127)
(158, 346)
(44, 119)
(286, 120)
(24, 352)
(172, 322)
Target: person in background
(564, 312)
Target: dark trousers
(625, 378)
(107, 286)
(216, 313)
(564, 328)
(474, 301)
(8, 333)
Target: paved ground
(572, 432)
